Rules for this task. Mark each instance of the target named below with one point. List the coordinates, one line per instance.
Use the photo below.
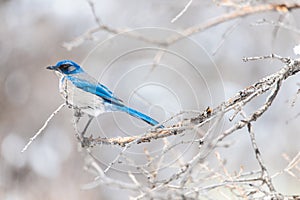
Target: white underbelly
(85, 101)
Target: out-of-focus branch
(182, 11)
(278, 24)
(102, 178)
(237, 13)
(240, 12)
(293, 164)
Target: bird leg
(87, 125)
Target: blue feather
(97, 89)
(138, 115)
(103, 92)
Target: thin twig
(271, 56)
(265, 174)
(277, 24)
(182, 11)
(97, 19)
(225, 35)
(116, 159)
(103, 179)
(43, 127)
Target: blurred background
(199, 71)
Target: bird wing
(89, 84)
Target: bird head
(66, 67)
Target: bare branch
(241, 98)
(237, 13)
(241, 12)
(182, 12)
(43, 127)
(271, 56)
(265, 174)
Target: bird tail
(139, 115)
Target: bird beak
(51, 67)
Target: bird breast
(87, 102)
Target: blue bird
(85, 93)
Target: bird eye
(67, 67)
(64, 66)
